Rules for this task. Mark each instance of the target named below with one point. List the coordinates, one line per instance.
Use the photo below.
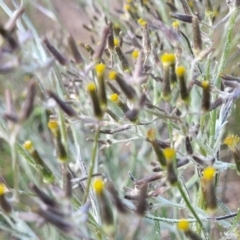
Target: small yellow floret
(205, 84)
(143, 23)
(116, 42)
(232, 141)
(53, 125)
(168, 58)
(183, 225)
(176, 24)
(112, 75)
(28, 145)
(169, 154)
(215, 13)
(151, 134)
(208, 173)
(135, 54)
(98, 186)
(2, 189)
(127, 7)
(191, 4)
(91, 87)
(180, 71)
(100, 68)
(114, 97)
(140, 20)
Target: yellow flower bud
(114, 97)
(98, 186)
(180, 71)
(2, 189)
(100, 68)
(112, 75)
(183, 225)
(135, 54)
(208, 173)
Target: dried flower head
(151, 134)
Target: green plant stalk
(170, 220)
(15, 170)
(12, 144)
(63, 129)
(226, 48)
(222, 64)
(92, 164)
(201, 204)
(169, 126)
(191, 209)
(235, 222)
(157, 227)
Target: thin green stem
(15, 170)
(12, 144)
(191, 209)
(235, 223)
(222, 64)
(226, 48)
(92, 164)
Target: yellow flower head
(116, 42)
(205, 84)
(100, 68)
(232, 141)
(53, 125)
(169, 154)
(183, 225)
(176, 24)
(127, 7)
(91, 87)
(2, 189)
(114, 97)
(98, 186)
(28, 145)
(112, 75)
(208, 173)
(180, 71)
(135, 54)
(142, 22)
(167, 59)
